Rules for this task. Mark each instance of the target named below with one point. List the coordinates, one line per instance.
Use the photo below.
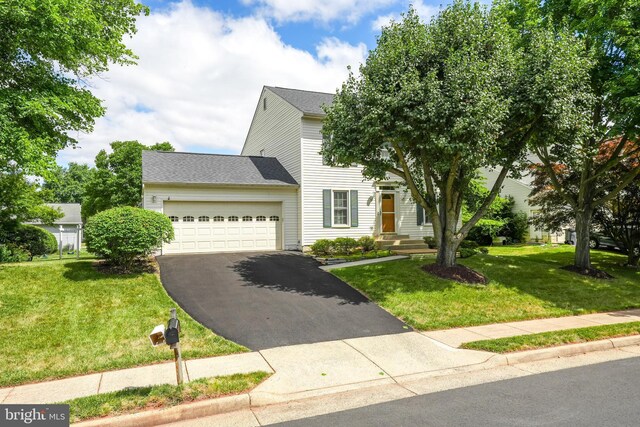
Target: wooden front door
(388, 213)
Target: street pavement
(605, 394)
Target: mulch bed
(458, 273)
(590, 272)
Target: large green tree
(47, 50)
(67, 184)
(435, 102)
(610, 31)
(21, 200)
(117, 178)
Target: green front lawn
(525, 283)
(161, 396)
(63, 318)
(554, 338)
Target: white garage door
(223, 227)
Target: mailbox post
(172, 338)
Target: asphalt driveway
(265, 300)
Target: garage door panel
(204, 244)
(218, 227)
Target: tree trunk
(633, 254)
(583, 234)
(448, 242)
(447, 253)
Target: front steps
(402, 244)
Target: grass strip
(138, 399)
(555, 338)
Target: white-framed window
(340, 207)
(173, 218)
(233, 218)
(188, 218)
(203, 218)
(247, 218)
(261, 218)
(274, 218)
(218, 218)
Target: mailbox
(172, 333)
(157, 335)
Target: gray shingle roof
(306, 101)
(71, 212)
(194, 168)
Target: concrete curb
(571, 349)
(187, 411)
(260, 399)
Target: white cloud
(314, 10)
(198, 80)
(425, 12)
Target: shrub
(322, 247)
(12, 253)
(469, 248)
(122, 235)
(467, 252)
(469, 244)
(431, 242)
(367, 243)
(483, 250)
(35, 241)
(345, 245)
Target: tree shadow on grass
(294, 273)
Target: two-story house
(277, 194)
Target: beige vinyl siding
(288, 197)
(276, 130)
(407, 218)
(317, 177)
(510, 187)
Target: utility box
(172, 332)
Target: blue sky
(203, 63)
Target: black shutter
(419, 214)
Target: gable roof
(168, 167)
(70, 212)
(304, 100)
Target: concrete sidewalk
(455, 337)
(306, 370)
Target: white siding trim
(276, 130)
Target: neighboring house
(277, 194)
(67, 228)
(520, 189)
